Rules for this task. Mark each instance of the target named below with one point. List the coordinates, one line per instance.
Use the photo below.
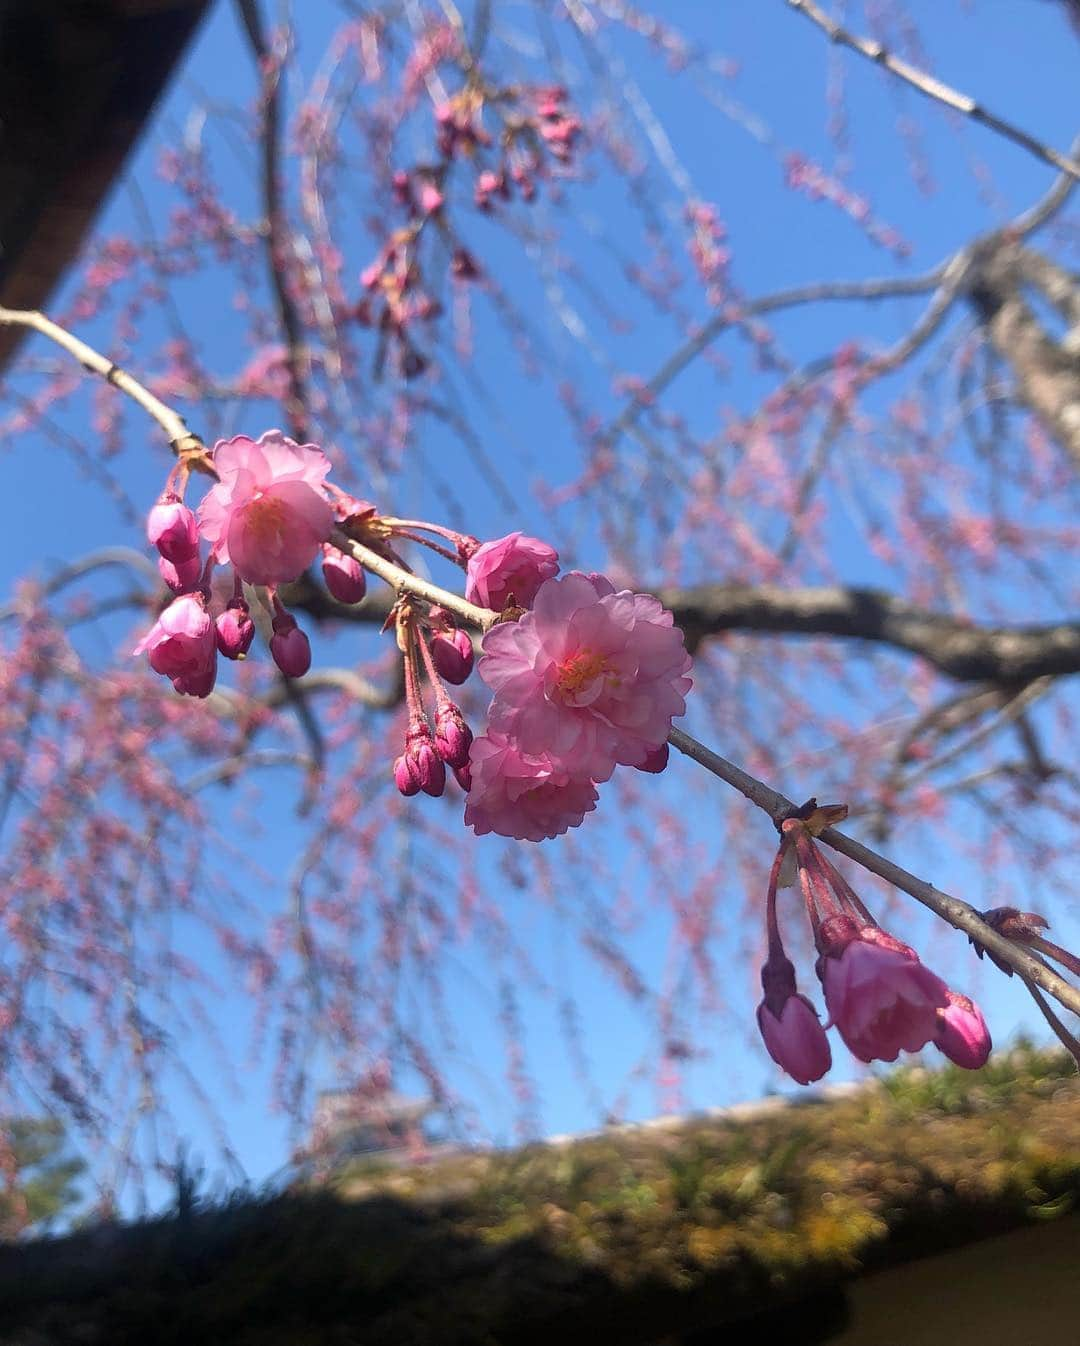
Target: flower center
(265, 518)
(578, 672)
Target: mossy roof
(626, 1234)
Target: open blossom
(516, 795)
(268, 514)
(181, 645)
(510, 567)
(962, 1033)
(879, 995)
(590, 678)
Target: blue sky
(730, 143)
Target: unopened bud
(453, 737)
(452, 652)
(172, 529)
(289, 647)
(234, 630)
(344, 575)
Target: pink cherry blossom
(181, 645)
(962, 1033)
(879, 995)
(268, 515)
(516, 795)
(795, 1039)
(590, 678)
(510, 567)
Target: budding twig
(404, 582)
(951, 909)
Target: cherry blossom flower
(589, 679)
(268, 515)
(962, 1033)
(879, 995)
(510, 567)
(517, 795)
(181, 645)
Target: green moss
(646, 1223)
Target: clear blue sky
(1020, 57)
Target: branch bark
(962, 650)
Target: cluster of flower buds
(708, 249)
(881, 999)
(435, 647)
(559, 129)
(268, 516)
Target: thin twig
(404, 582)
(950, 909)
(184, 443)
(935, 89)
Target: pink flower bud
(234, 630)
(420, 767)
(406, 777)
(180, 645)
(431, 199)
(344, 575)
(453, 655)
(656, 760)
(430, 769)
(289, 647)
(172, 529)
(453, 737)
(962, 1033)
(182, 576)
(463, 776)
(789, 1024)
(511, 567)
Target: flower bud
(463, 776)
(344, 575)
(181, 576)
(406, 777)
(234, 630)
(962, 1033)
(420, 767)
(289, 647)
(172, 529)
(453, 737)
(452, 652)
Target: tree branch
(184, 443)
(960, 649)
(951, 909)
(935, 89)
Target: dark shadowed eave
(77, 84)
